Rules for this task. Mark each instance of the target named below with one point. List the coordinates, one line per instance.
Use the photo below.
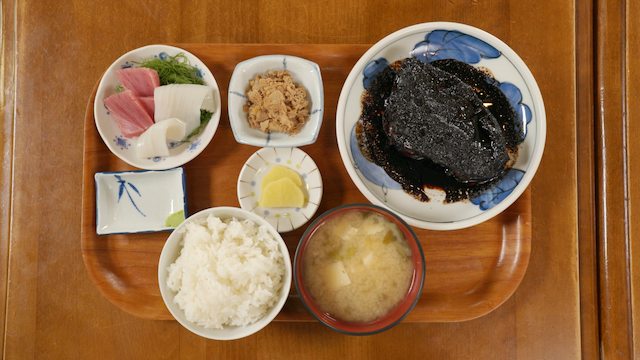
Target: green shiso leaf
(205, 116)
(119, 88)
(174, 70)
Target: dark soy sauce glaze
(416, 175)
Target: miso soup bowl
(397, 314)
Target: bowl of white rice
(224, 273)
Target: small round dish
(125, 148)
(437, 41)
(172, 249)
(303, 72)
(259, 164)
(395, 315)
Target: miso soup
(357, 266)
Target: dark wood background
(576, 299)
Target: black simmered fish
(433, 114)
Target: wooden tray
(469, 272)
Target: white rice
(228, 272)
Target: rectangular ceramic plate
(469, 272)
(138, 201)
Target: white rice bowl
(224, 273)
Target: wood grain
(54, 310)
(633, 159)
(616, 327)
(7, 100)
(589, 319)
(554, 239)
(471, 271)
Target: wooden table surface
(575, 301)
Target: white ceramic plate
(303, 72)
(138, 201)
(283, 219)
(180, 153)
(171, 251)
(433, 41)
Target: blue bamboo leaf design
(120, 191)
(134, 204)
(123, 188)
(134, 188)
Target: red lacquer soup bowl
(397, 313)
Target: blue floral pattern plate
(179, 152)
(258, 164)
(436, 41)
(138, 201)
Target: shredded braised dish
(276, 103)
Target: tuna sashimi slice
(129, 112)
(149, 104)
(141, 81)
(128, 128)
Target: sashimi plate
(436, 41)
(259, 164)
(125, 148)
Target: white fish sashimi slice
(183, 101)
(153, 142)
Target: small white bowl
(303, 72)
(283, 219)
(138, 201)
(171, 251)
(125, 149)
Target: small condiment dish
(303, 72)
(138, 201)
(393, 317)
(259, 164)
(172, 249)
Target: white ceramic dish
(283, 219)
(303, 72)
(138, 201)
(180, 153)
(170, 253)
(433, 41)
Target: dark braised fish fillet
(433, 114)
